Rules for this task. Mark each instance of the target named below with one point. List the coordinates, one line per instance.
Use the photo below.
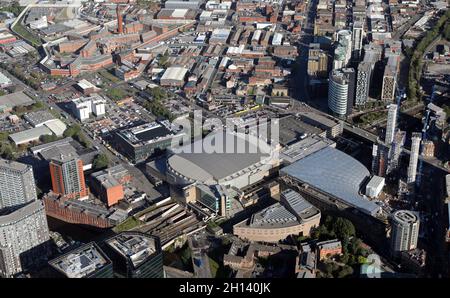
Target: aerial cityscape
(224, 139)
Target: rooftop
(81, 262)
(146, 132)
(335, 173)
(13, 165)
(38, 117)
(218, 164)
(136, 247)
(291, 211)
(15, 99)
(405, 217)
(175, 73)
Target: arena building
(231, 169)
(292, 216)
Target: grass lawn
(128, 224)
(25, 34)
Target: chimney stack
(119, 20)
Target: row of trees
(33, 80)
(416, 54)
(75, 132)
(155, 105)
(14, 8)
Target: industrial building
(86, 261)
(16, 184)
(292, 216)
(341, 91)
(136, 255)
(174, 76)
(141, 141)
(55, 127)
(9, 101)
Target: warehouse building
(174, 76)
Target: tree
(344, 258)
(345, 271)
(48, 138)
(3, 136)
(343, 228)
(72, 130)
(101, 161)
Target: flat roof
(134, 246)
(21, 213)
(15, 99)
(336, 173)
(405, 216)
(38, 117)
(304, 148)
(14, 165)
(85, 84)
(145, 132)
(81, 262)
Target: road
(300, 80)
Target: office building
(341, 91)
(414, 157)
(86, 261)
(17, 185)
(363, 82)
(135, 255)
(391, 124)
(66, 171)
(140, 141)
(24, 237)
(404, 230)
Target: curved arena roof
(210, 167)
(336, 173)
